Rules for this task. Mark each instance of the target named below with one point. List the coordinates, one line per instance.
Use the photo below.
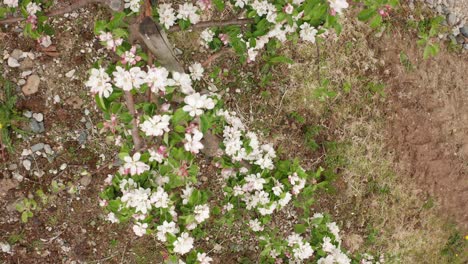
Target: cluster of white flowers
(301, 249)
(255, 225)
(156, 125)
(203, 258)
(167, 16)
(187, 11)
(192, 141)
(183, 244)
(335, 255)
(157, 78)
(234, 134)
(133, 5)
(99, 82)
(281, 29)
(11, 3)
(32, 8)
(109, 41)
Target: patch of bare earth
(427, 123)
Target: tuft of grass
(9, 117)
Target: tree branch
(216, 23)
(131, 108)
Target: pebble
(86, 180)
(70, 73)
(39, 117)
(16, 54)
(56, 99)
(32, 85)
(26, 64)
(27, 114)
(21, 82)
(82, 137)
(12, 166)
(26, 73)
(464, 31)
(36, 127)
(27, 164)
(63, 166)
(88, 125)
(48, 149)
(460, 39)
(37, 147)
(13, 63)
(451, 19)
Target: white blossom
(308, 32)
(202, 212)
(32, 8)
(167, 15)
(123, 79)
(11, 3)
(195, 103)
(183, 244)
(160, 198)
(140, 229)
(165, 228)
(338, 5)
(196, 71)
(99, 82)
(134, 165)
(203, 258)
(184, 81)
(255, 225)
(133, 5)
(156, 125)
(112, 218)
(192, 142)
(138, 199)
(206, 36)
(188, 11)
(157, 79)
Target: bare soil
(427, 122)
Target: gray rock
(37, 147)
(48, 149)
(86, 180)
(88, 125)
(16, 53)
(36, 127)
(465, 46)
(464, 31)
(451, 19)
(83, 137)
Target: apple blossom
(183, 244)
(140, 229)
(134, 165)
(167, 15)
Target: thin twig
(215, 56)
(56, 12)
(216, 23)
(318, 63)
(131, 108)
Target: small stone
(83, 137)
(12, 166)
(48, 150)
(32, 85)
(56, 99)
(451, 19)
(26, 73)
(18, 176)
(37, 147)
(465, 46)
(70, 73)
(88, 125)
(13, 63)
(27, 164)
(26, 64)
(86, 180)
(16, 54)
(39, 117)
(36, 127)
(21, 82)
(204, 178)
(39, 174)
(464, 31)
(27, 114)
(63, 166)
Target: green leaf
(24, 217)
(376, 21)
(180, 116)
(300, 228)
(119, 33)
(205, 123)
(100, 102)
(366, 14)
(99, 26)
(219, 4)
(116, 21)
(281, 59)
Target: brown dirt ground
(427, 122)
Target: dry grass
(380, 209)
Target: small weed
(8, 115)
(428, 29)
(405, 61)
(26, 208)
(310, 133)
